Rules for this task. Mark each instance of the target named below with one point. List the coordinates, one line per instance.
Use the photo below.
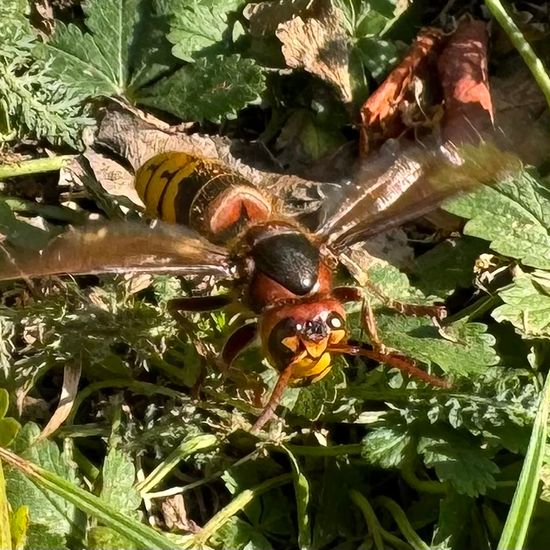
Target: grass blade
(523, 503)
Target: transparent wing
(393, 187)
(120, 247)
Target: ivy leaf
(210, 89)
(388, 447)
(460, 462)
(527, 304)
(199, 28)
(514, 215)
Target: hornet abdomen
(202, 194)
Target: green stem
(432, 487)
(370, 518)
(185, 449)
(335, 450)
(402, 522)
(534, 64)
(236, 505)
(34, 166)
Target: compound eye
(335, 321)
(283, 342)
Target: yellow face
(305, 345)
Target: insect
(215, 222)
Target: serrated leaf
(49, 513)
(320, 46)
(13, 14)
(311, 401)
(198, 28)
(118, 482)
(240, 535)
(388, 447)
(447, 266)
(210, 89)
(104, 538)
(394, 284)
(103, 60)
(466, 348)
(454, 512)
(527, 304)
(268, 514)
(460, 462)
(513, 215)
(333, 517)
(377, 55)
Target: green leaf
(97, 63)
(199, 28)
(466, 348)
(112, 58)
(267, 513)
(32, 102)
(527, 304)
(13, 14)
(240, 535)
(333, 517)
(49, 513)
(5, 523)
(388, 447)
(105, 538)
(459, 461)
(21, 233)
(311, 401)
(9, 427)
(377, 55)
(19, 523)
(454, 513)
(210, 89)
(447, 266)
(62, 491)
(4, 402)
(118, 482)
(514, 215)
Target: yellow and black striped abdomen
(200, 193)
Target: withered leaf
(320, 46)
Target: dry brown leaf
(462, 68)
(71, 378)
(175, 515)
(112, 176)
(320, 46)
(265, 17)
(381, 115)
